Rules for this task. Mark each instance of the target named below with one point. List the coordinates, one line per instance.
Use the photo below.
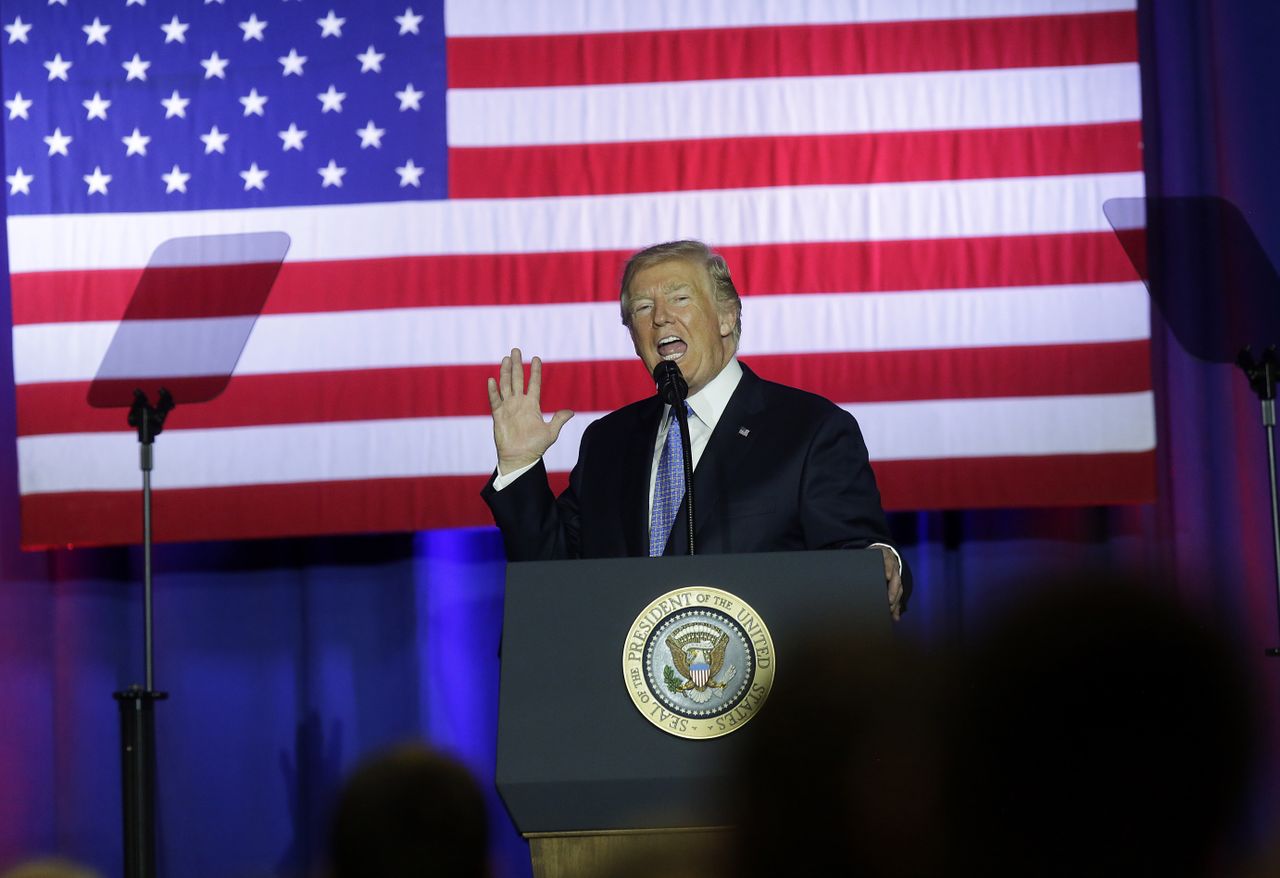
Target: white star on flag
(253, 28)
(57, 68)
(58, 142)
(292, 137)
(330, 25)
(331, 175)
(135, 143)
(292, 62)
(175, 31)
(371, 135)
(215, 66)
(18, 106)
(19, 182)
(129, 3)
(254, 178)
(175, 180)
(96, 107)
(370, 59)
(57, 2)
(331, 100)
(410, 98)
(215, 141)
(135, 68)
(96, 32)
(97, 181)
(175, 105)
(18, 31)
(410, 174)
(254, 103)
(408, 22)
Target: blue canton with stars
(145, 105)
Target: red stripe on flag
(749, 162)
(452, 391)
(539, 278)
(799, 50)
(1058, 480)
(113, 517)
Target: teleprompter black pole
(1263, 374)
(137, 703)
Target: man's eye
(680, 300)
(641, 308)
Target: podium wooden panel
(621, 852)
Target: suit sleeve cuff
(501, 481)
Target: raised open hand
(519, 432)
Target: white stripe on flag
(872, 212)
(1010, 426)
(504, 18)
(801, 105)
(793, 324)
(464, 446)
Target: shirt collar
(710, 402)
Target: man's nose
(660, 315)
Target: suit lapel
(637, 461)
(726, 450)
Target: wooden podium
(586, 777)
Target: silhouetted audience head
(410, 812)
(839, 775)
(1098, 729)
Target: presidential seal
(698, 662)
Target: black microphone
(673, 389)
(671, 384)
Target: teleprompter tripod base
(138, 773)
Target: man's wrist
(891, 549)
(507, 466)
(502, 480)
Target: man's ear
(726, 324)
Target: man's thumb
(559, 419)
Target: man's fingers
(504, 378)
(517, 372)
(558, 420)
(495, 398)
(535, 378)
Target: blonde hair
(697, 253)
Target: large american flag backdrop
(909, 193)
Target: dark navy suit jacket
(783, 470)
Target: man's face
(674, 317)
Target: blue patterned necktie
(668, 488)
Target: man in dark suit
(775, 468)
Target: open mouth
(671, 347)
